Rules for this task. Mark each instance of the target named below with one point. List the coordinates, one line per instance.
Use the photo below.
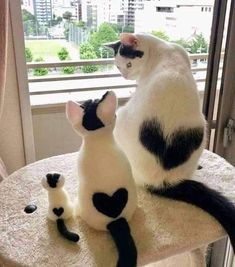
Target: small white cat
(60, 206)
(106, 193)
(161, 128)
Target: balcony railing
(55, 87)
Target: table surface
(160, 227)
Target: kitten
(106, 193)
(60, 206)
(161, 128)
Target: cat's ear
(107, 107)
(113, 45)
(129, 39)
(74, 112)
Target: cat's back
(168, 93)
(106, 161)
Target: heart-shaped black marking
(58, 211)
(171, 150)
(52, 179)
(111, 206)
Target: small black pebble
(199, 167)
(30, 208)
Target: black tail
(125, 244)
(64, 231)
(205, 198)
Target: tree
(182, 42)
(116, 27)
(198, 44)
(28, 54)
(31, 25)
(81, 24)
(55, 21)
(87, 52)
(104, 34)
(26, 15)
(128, 28)
(161, 34)
(40, 71)
(67, 15)
(63, 53)
(69, 70)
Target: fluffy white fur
(165, 90)
(102, 166)
(58, 198)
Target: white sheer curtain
(3, 58)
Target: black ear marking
(115, 46)
(129, 52)
(90, 120)
(103, 97)
(86, 103)
(52, 179)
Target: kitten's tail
(65, 232)
(209, 200)
(125, 244)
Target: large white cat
(166, 102)
(161, 128)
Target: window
(58, 39)
(60, 78)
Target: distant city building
(178, 18)
(129, 7)
(91, 14)
(43, 11)
(27, 5)
(78, 8)
(95, 12)
(59, 7)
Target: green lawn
(47, 49)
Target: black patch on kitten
(111, 206)
(52, 179)
(207, 199)
(129, 52)
(173, 150)
(65, 232)
(58, 211)
(90, 120)
(121, 234)
(30, 208)
(199, 167)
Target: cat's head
(93, 115)
(131, 54)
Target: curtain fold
(4, 11)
